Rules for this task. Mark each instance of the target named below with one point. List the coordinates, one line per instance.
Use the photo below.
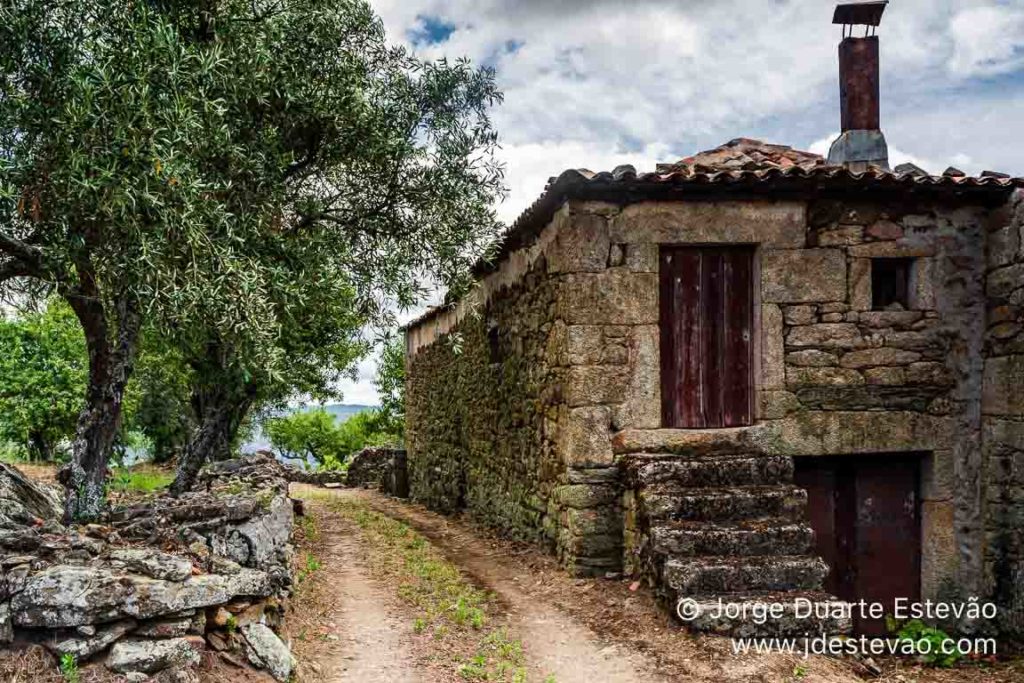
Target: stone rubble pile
(379, 468)
(153, 585)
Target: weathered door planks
(865, 512)
(706, 336)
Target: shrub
(316, 437)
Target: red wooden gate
(706, 349)
(866, 518)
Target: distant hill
(341, 412)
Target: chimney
(861, 143)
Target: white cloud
(531, 165)
(598, 83)
(361, 390)
(987, 40)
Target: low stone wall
(152, 585)
(317, 478)
(378, 468)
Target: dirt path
(591, 630)
(554, 641)
(372, 646)
(349, 629)
(572, 630)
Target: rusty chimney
(861, 143)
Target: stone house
(754, 371)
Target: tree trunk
(38, 448)
(110, 363)
(220, 411)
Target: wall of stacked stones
(156, 583)
(1003, 412)
(510, 409)
(479, 400)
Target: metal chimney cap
(860, 13)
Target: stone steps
(720, 575)
(719, 470)
(716, 523)
(668, 503)
(768, 536)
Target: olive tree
(191, 164)
(42, 379)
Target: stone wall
(154, 584)
(479, 408)
(835, 377)
(1003, 412)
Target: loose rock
(150, 656)
(266, 650)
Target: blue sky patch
(430, 30)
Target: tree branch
(26, 253)
(13, 269)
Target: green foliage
(157, 399)
(12, 453)
(498, 658)
(311, 435)
(926, 640)
(309, 527)
(42, 380)
(309, 567)
(220, 173)
(142, 479)
(368, 428)
(69, 668)
(316, 436)
(390, 384)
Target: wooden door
(866, 517)
(706, 336)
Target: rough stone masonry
(535, 403)
(155, 584)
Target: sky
(598, 83)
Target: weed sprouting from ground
(69, 668)
(497, 658)
(311, 565)
(426, 579)
(309, 527)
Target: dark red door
(706, 349)
(866, 517)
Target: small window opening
(890, 283)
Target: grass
(140, 479)
(312, 565)
(448, 604)
(427, 581)
(308, 524)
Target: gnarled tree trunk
(111, 357)
(220, 410)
